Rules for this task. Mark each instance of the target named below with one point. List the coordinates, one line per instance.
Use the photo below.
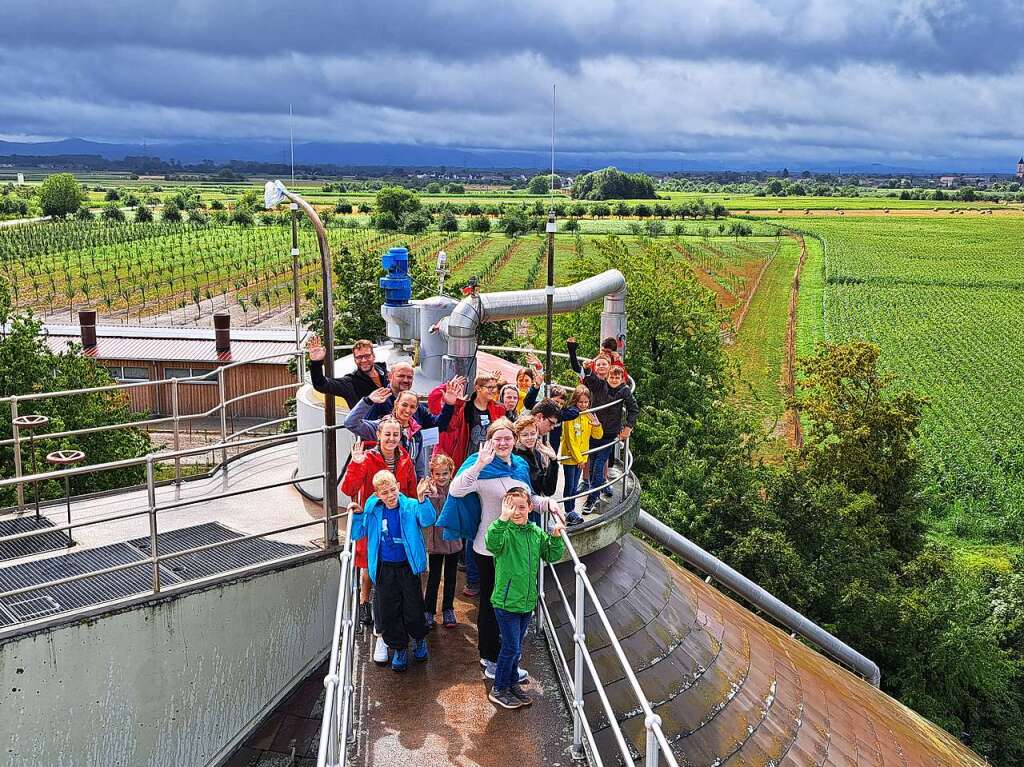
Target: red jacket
(455, 441)
(357, 483)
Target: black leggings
(398, 604)
(488, 636)
(449, 563)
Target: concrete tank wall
(173, 683)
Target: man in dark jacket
(368, 376)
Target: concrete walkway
(436, 713)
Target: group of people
(471, 496)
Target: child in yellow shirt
(576, 436)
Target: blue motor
(398, 284)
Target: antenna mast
(291, 141)
(552, 227)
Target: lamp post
(273, 194)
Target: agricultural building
(138, 354)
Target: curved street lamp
(274, 193)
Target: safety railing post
(652, 750)
(625, 465)
(580, 639)
(17, 452)
(327, 479)
(223, 419)
(177, 430)
(154, 553)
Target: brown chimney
(222, 331)
(87, 321)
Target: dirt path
(876, 212)
(742, 315)
(794, 432)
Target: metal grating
(37, 544)
(51, 600)
(231, 556)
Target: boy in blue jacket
(392, 524)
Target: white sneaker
(380, 652)
(491, 670)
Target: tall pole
(275, 192)
(295, 279)
(552, 227)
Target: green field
(943, 299)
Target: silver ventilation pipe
(460, 328)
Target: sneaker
(471, 590)
(461, 565)
(380, 652)
(366, 614)
(419, 649)
(504, 698)
(400, 661)
(491, 670)
(428, 618)
(449, 618)
(518, 693)
(572, 519)
(607, 492)
(588, 507)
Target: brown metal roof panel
(175, 350)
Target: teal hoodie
(414, 515)
(518, 550)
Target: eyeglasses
(362, 356)
(552, 421)
(490, 387)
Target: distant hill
(425, 155)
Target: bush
(448, 222)
(216, 205)
(456, 189)
(143, 215)
(417, 222)
(84, 214)
(242, 216)
(112, 212)
(171, 212)
(343, 206)
(611, 184)
(479, 224)
(112, 194)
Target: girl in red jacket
(358, 485)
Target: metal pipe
(223, 419)
(294, 208)
(549, 290)
(177, 430)
(739, 584)
(579, 637)
(154, 551)
(461, 326)
(17, 453)
(275, 191)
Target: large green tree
(27, 366)
(60, 195)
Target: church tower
(1020, 168)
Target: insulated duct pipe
(460, 328)
(742, 586)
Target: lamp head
(273, 194)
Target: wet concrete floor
(436, 713)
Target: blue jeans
(472, 573)
(599, 466)
(512, 627)
(572, 482)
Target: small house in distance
(133, 354)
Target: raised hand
(358, 452)
(424, 488)
(593, 419)
(486, 454)
(380, 395)
(533, 361)
(571, 340)
(317, 353)
(546, 450)
(454, 389)
(508, 509)
(555, 508)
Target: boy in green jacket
(518, 546)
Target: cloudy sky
(737, 81)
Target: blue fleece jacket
(460, 517)
(414, 515)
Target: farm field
(944, 301)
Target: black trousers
(449, 563)
(398, 604)
(488, 636)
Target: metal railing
(152, 509)
(176, 419)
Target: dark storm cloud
(871, 79)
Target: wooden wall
(195, 398)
